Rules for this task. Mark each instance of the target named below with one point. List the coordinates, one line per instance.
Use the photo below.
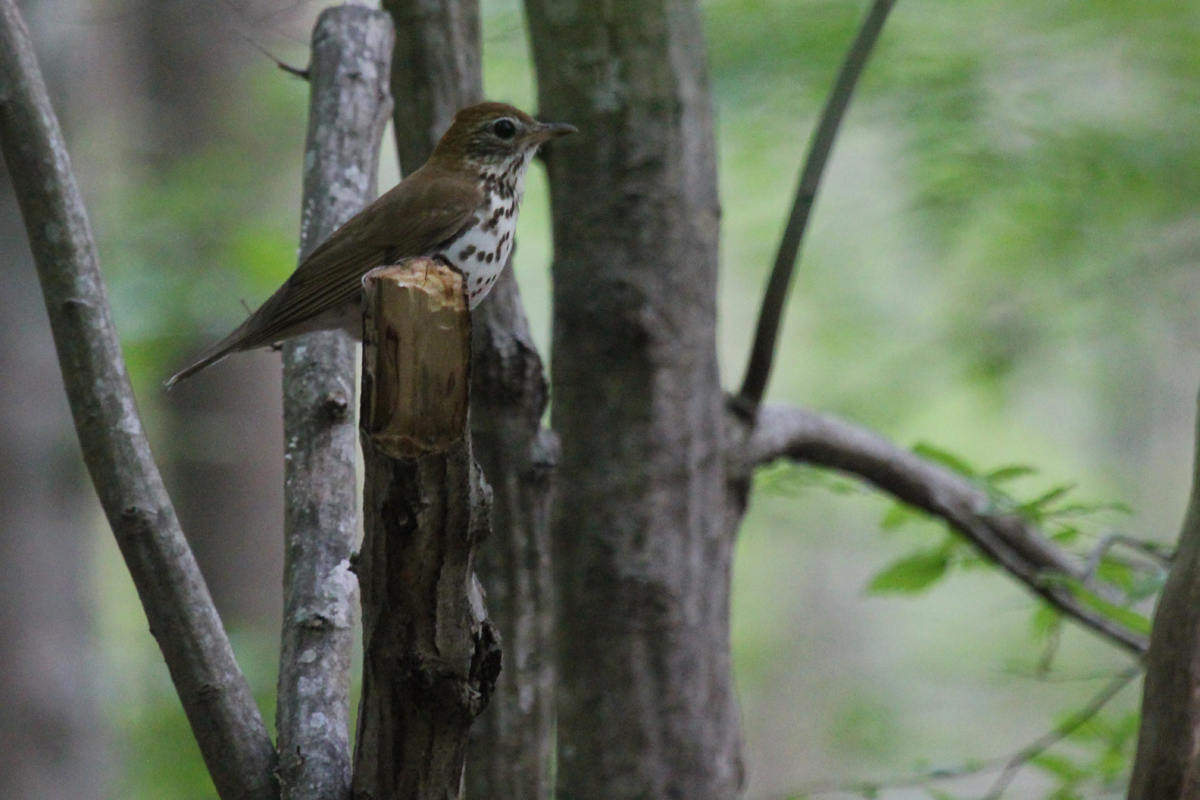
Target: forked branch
(1007, 539)
(214, 693)
(762, 354)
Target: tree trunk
(512, 744)
(348, 111)
(224, 718)
(642, 545)
(436, 71)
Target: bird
(460, 207)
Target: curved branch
(762, 354)
(1006, 539)
(214, 693)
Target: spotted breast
(481, 249)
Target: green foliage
(1054, 510)
(913, 573)
(1093, 759)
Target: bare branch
(1051, 738)
(1009, 766)
(211, 687)
(1006, 539)
(762, 354)
(350, 106)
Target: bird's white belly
(481, 251)
(481, 254)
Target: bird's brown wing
(410, 220)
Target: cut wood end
(416, 357)
(443, 285)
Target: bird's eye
(504, 128)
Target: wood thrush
(461, 206)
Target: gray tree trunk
(348, 111)
(642, 526)
(436, 71)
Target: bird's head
(489, 134)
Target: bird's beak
(551, 130)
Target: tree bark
(224, 718)
(642, 532)
(349, 108)
(431, 657)
(512, 743)
(1167, 765)
(436, 70)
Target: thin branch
(349, 108)
(304, 73)
(1006, 539)
(762, 354)
(1051, 738)
(1009, 766)
(211, 687)
(1149, 550)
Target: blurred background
(1002, 264)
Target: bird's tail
(232, 343)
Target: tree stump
(431, 655)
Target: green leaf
(1127, 617)
(938, 794)
(1065, 534)
(899, 515)
(1006, 474)
(1116, 572)
(1060, 766)
(1083, 509)
(911, 574)
(946, 459)
(1045, 619)
(1036, 508)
